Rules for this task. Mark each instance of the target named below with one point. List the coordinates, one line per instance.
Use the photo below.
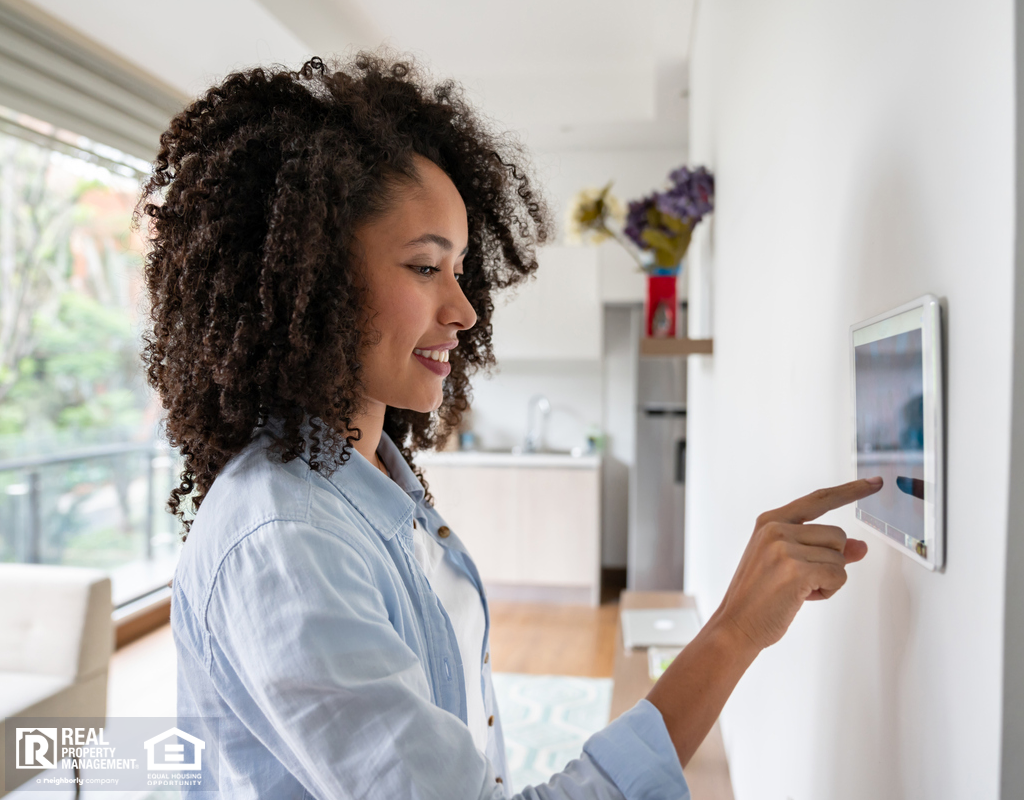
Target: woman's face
(411, 260)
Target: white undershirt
(461, 600)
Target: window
(83, 474)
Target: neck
(371, 423)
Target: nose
(456, 309)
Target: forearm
(693, 690)
(785, 563)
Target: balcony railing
(102, 506)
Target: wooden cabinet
(534, 532)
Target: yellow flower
(589, 214)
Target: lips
(434, 358)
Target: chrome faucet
(535, 422)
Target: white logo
(37, 748)
(171, 756)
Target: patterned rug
(546, 719)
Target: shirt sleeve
(305, 648)
(632, 758)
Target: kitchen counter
(504, 458)
(532, 521)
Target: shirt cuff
(637, 753)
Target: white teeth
(433, 355)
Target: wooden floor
(541, 639)
(143, 677)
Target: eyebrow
(440, 241)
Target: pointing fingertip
(875, 482)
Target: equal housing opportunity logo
(171, 756)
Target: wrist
(731, 640)
(715, 659)
(692, 691)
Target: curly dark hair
(253, 202)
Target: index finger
(816, 503)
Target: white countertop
(503, 458)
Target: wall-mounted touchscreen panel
(897, 376)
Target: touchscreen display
(889, 375)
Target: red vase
(660, 309)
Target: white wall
(864, 155)
(635, 172)
(500, 402)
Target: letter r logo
(37, 748)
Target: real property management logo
(36, 748)
(115, 753)
(66, 748)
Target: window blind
(57, 76)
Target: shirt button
(498, 780)
(443, 531)
(414, 523)
(487, 656)
(490, 720)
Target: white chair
(56, 637)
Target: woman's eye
(424, 269)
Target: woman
(325, 248)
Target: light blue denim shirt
(304, 625)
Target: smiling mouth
(433, 355)
(434, 360)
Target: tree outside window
(70, 374)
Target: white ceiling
(567, 74)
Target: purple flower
(637, 219)
(690, 196)
(662, 223)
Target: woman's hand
(788, 561)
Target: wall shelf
(676, 347)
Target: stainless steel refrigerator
(657, 497)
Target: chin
(423, 405)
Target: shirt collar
(401, 472)
(388, 504)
